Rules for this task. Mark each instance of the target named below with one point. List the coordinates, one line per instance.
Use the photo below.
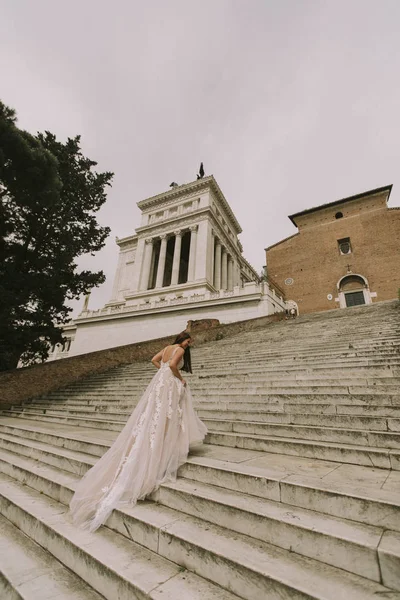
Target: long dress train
(149, 450)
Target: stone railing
(248, 289)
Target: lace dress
(149, 450)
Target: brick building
(344, 253)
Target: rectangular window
(354, 298)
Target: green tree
(49, 196)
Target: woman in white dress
(151, 447)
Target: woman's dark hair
(187, 361)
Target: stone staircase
(295, 495)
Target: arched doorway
(353, 291)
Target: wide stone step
(281, 413)
(261, 474)
(30, 573)
(113, 565)
(250, 382)
(256, 402)
(74, 462)
(191, 542)
(381, 423)
(344, 357)
(293, 404)
(109, 425)
(297, 397)
(314, 484)
(342, 421)
(262, 372)
(274, 361)
(60, 436)
(55, 451)
(267, 370)
(326, 450)
(378, 410)
(356, 437)
(344, 544)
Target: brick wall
(312, 258)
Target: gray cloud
(289, 104)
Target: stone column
(237, 274)
(177, 257)
(211, 253)
(161, 261)
(137, 267)
(224, 270)
(192, 252)
(217, 265)
(117, 278)
(148, 253)
(230, 273)
(202, 242)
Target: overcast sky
(289, 103)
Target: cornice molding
(178, 307)
(127, 242)
(192, 187)
(170, 226)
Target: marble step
(352, 500)
(275, 361)
(59, 436)
(381, 422)
(347, 545)
(249, 569)
(245, 402)
(223, 392)
(241, 369)
(109, 425)
(325, 433)
(376, 423)
(332, 451)
(377, 412)
(296, 396)
(345, 356)
(251, 382)
(366, 430)
(261, 373)
(351, 546)
(239, 419)
(374, 360)
(28, 572)
(113, 565)
(354, 496)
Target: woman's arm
(156, 360)
(174, 362)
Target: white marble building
(184, 262)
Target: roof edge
(281, 241)
(385, 188)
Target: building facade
(183, 262)
(344, 253)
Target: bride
(151, 447)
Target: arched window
(338, 215)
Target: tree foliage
(49, 196)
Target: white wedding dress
(149, 450)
